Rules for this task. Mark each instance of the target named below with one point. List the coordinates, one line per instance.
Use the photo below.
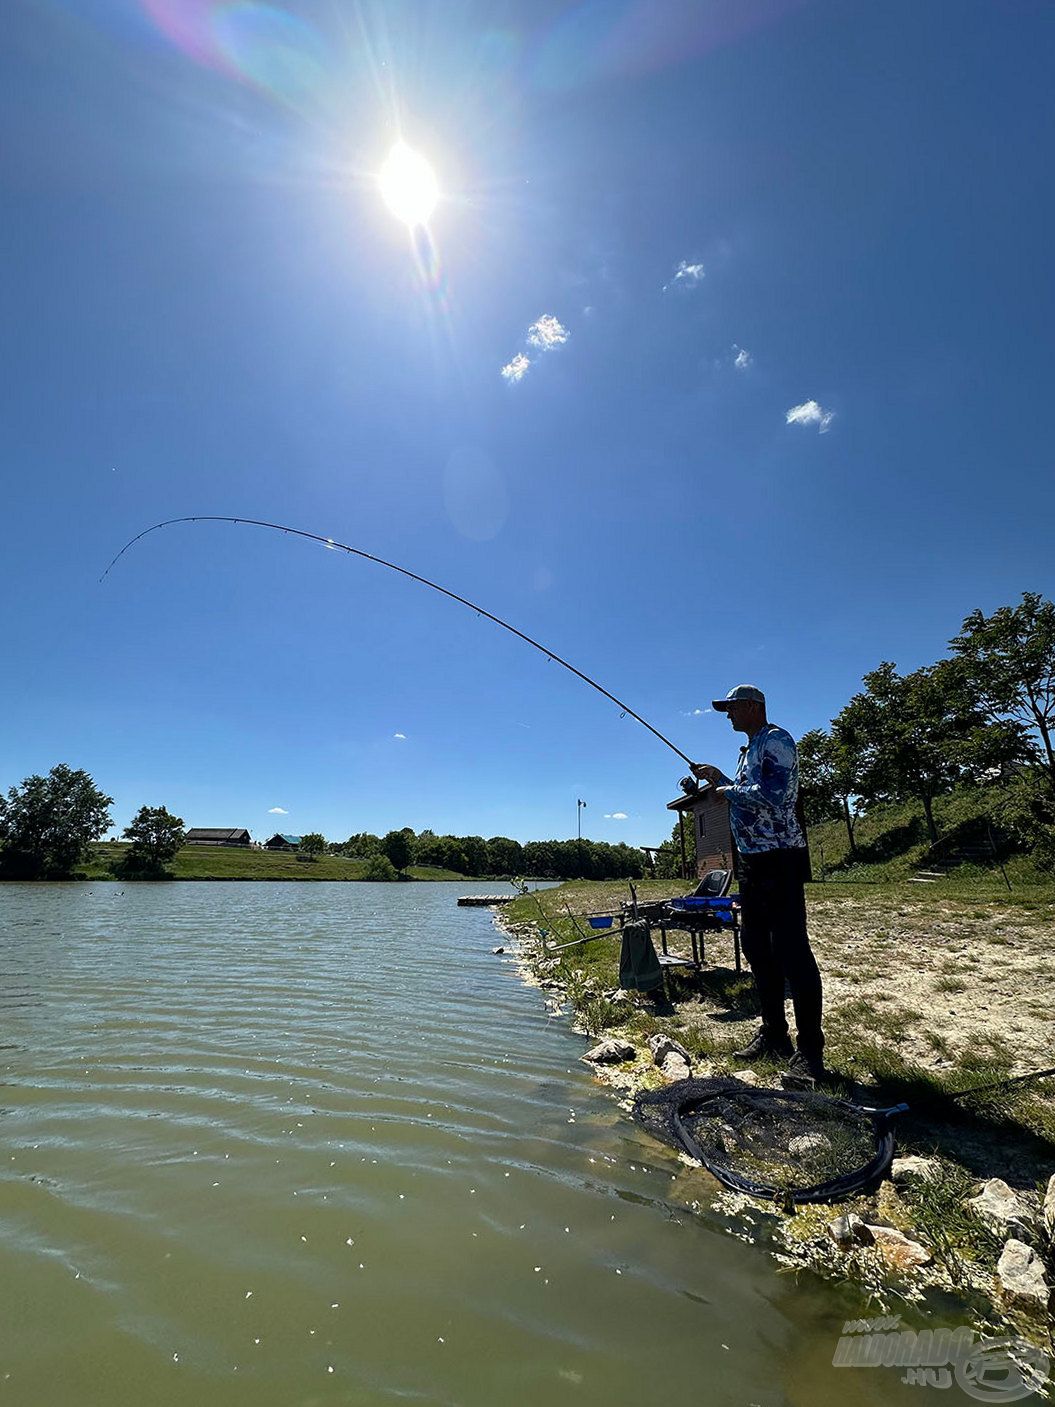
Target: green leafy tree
(1009, 658)
(668, 860)
(450, 855)
(398, 847)
(380, 870)
(155, 835)
(362, 845)
(47, 823)
(921, 733)
(313, 845)
(474, 848)
(828, 767)
(504, 856)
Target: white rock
(610, 1051)
(1020, 1272)
(896, 1248)
(914, 1169)
(804, 1143)
(496, 951)
(1001, 1207)
(746, 1077)
(1049, 1208)
(661, 1046)
(849, 1230)
(675, 1067)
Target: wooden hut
(708, 814)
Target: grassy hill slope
(207, 862)
(893, 843)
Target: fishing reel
(689, 785)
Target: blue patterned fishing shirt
(762, 796)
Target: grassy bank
(892, 842)
(206, 862)
(929, 990)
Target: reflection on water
(282, 1144)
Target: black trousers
(776, 944)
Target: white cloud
(810, 413)
(547, 332)
(401, 736)
(743, 358)
(516, 369)
(615, 816)
(686, 275)
(278, 811)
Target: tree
(397, 846)
(919, 734)
(504, 856)
(380, 869)
(474, 848)
(363, 845)
(828, 768)
(1010, 662)
(47, 823)
(668, 859)
(313, 845)
(155, 836)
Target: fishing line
(423, 581)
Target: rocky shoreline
(931, 1227)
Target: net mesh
(794, 1145)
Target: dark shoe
(805, 1069)
(765, 1043)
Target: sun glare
(408, 184)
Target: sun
(408, 184)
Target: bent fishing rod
(334, 546)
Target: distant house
(283, 842)
(206, 836)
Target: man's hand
(706, 773)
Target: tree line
(984, 713)
(48, 825)
(499, 856)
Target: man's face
(743, 714)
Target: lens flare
(408, 184)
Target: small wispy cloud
(742, 358)
(517, 369)
(547, 332)
(401, 736)
(616, 816)
(696, 712)
(277, 811)
(686, 275)
(810, 413)
(544, 334)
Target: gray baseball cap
(742, 691)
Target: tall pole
(579, 804)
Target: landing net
(782, 1144)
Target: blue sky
(208, 308)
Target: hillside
(207, 862)
(893, 844)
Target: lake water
(279, 1144)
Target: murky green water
(279, 1144)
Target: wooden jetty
(479, 901)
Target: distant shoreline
(211, 863)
